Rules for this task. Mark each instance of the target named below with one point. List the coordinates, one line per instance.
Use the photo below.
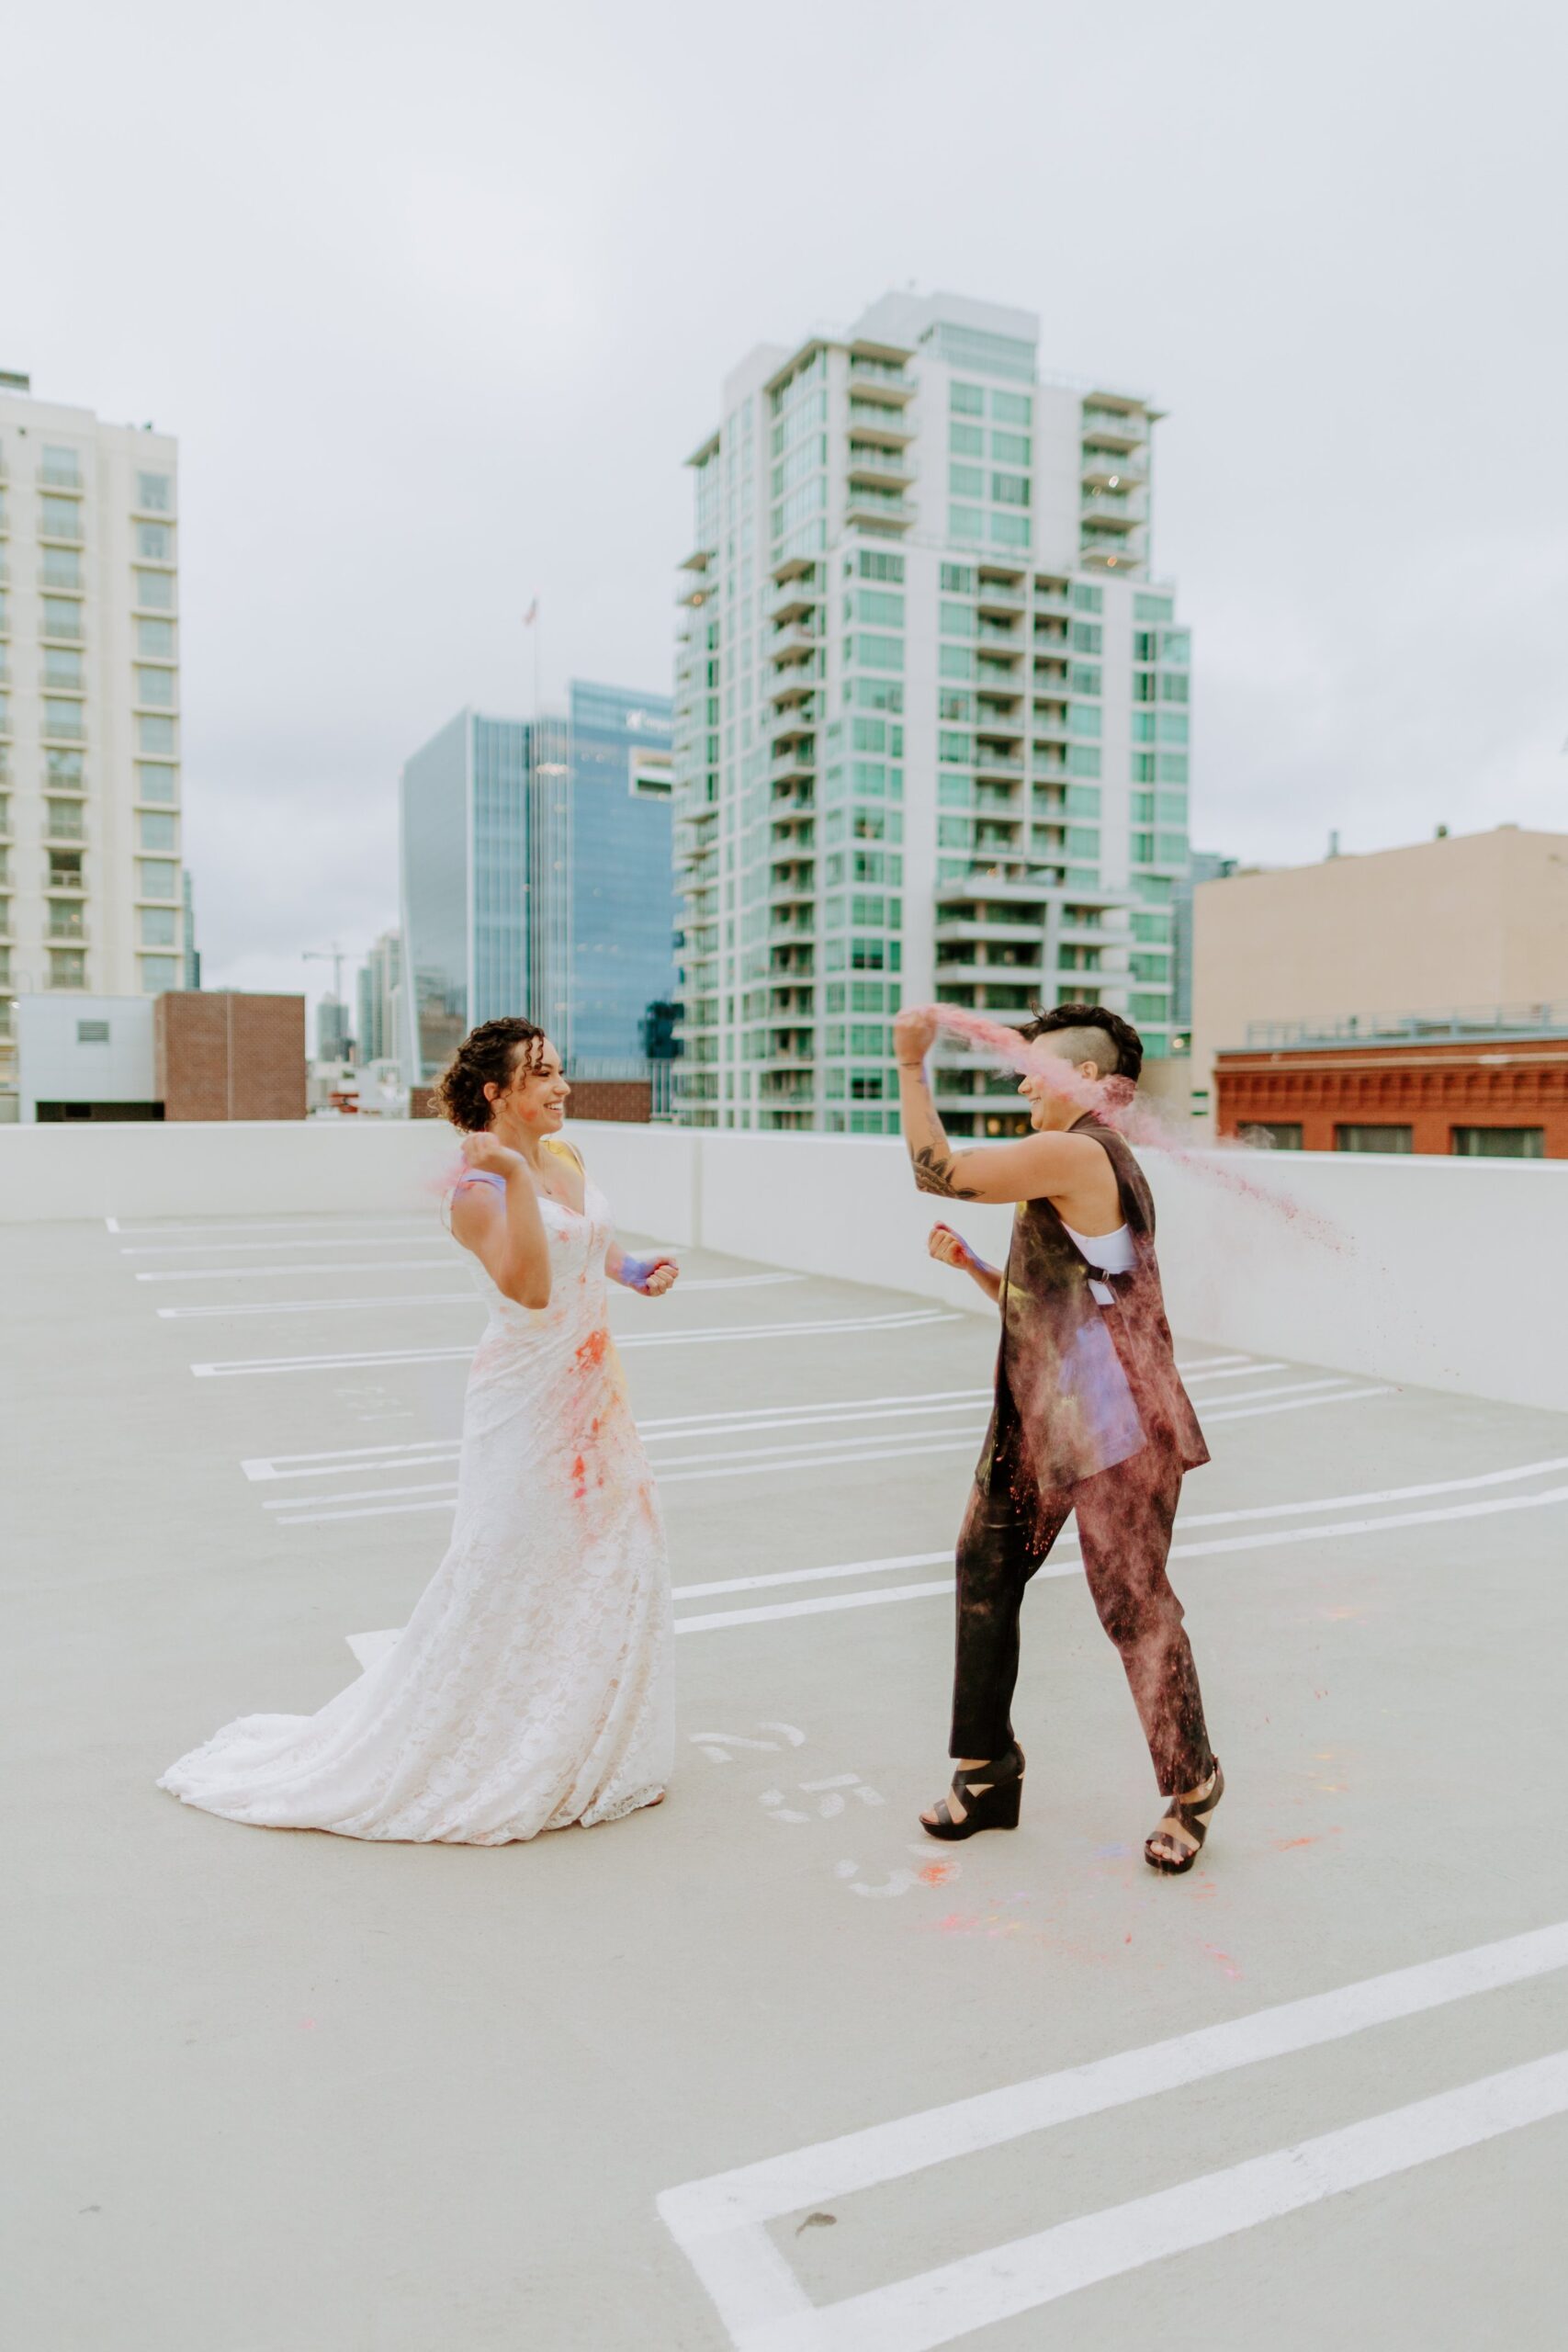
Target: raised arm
(1034, 1167)
(503, 1229)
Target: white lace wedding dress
(533, 1685)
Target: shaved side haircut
(1087, 1033)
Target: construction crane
(335, 956)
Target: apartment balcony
(989, 760)
(878, 466)
(62, 534)
(797, 764)
(699, 558)
(65, 827)
(791, 600)
(1117, 514)
(957, 966)
(795, 685)
(696, 592)
(801, 718)
(994, 637)
(66, 926)
(1115, 428)
(881, 511)
(873, 380)
(64, 630)
(792, 644)
(956, 931)
(799, 891)
(1113, 553)
(62, 729)
(1000, 595)
(1105, 469)
(790, 567)
(877, 423)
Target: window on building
(63, 820)
(64, 720)
(61, 464)
(965, 481)
(1088, 599)
(1012, 408)
(967, 400)
(966, 523)
(1083, 800)
(154, 734)
(1083, 759)
(158, 878)
(1364, 1138)
(60, 616)
(155, 590)
(61, 567)
(67, 967)
(1147, 607)
(1500, 1143)
(156, 926)
(60, 518)
(1273, 1135)
(159, 973)
(1009, 530)
(155, 493)
(1084, 678)
(1010, 448)
(1084, 718)
(154, 543)
(62, 666)
(883, 607)
(155, 831)
(156, 782)
(957, 580)
(965, 441)
(1009, 489)
(155, 639)
(156, 686)
(875, 565)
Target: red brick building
(222, 1056)
(1500, 1093)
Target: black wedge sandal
(1183, 1819)
(990, 1794)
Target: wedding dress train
(533, 1685)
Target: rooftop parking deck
(763, 2069)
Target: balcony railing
(1467, 1022)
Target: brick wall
(1431, 1089)
(223, 1056)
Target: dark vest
(1080, 1387)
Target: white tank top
(1113, 1252)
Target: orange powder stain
(937, 1873)
(590, 1354)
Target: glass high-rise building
(931, 714)
(536, 877)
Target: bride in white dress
(533, 1685)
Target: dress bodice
(580, 1241)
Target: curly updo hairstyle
(490, 1054)
(1125, 1043)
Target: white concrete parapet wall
(1446, 1273)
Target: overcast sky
(438, 300)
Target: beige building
(90, 872)
(1466, 922)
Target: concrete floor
(285, 2093)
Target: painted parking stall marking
(720, 2223)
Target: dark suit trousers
(1124, 1519)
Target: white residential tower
(91, 896)
(931, 714)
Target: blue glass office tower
(623, 907)
(536, 876)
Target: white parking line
(1057, 1565)
(748, 1421)
(720, 2222)
(361, 1359)
(395, 1240)
(733, 1463)
(215, 1232)
(448, 1260)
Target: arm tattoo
(933, 1173)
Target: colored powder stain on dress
(590, 1354)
